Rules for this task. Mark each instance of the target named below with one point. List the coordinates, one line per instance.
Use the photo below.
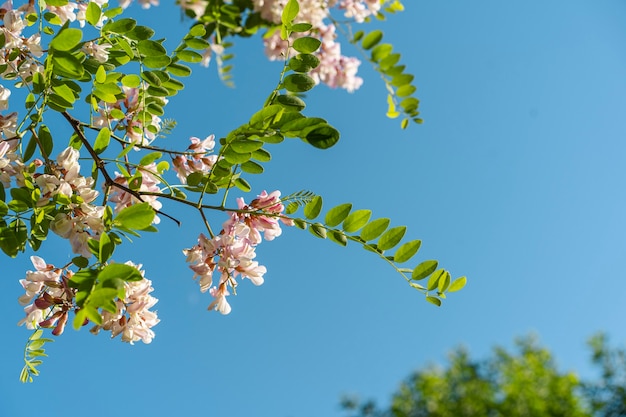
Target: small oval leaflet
(356, 220)
(391, 237)
(407, 251)
(337, 214)
(298, 83)
(374, 229)
(313, 208)
(372, 39)
(424, 269)
(67, 39)
(306, 45)
(323, 137)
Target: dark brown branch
(108, 181)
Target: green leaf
(424, 269)
(381, 51)
(290, 103)
(179, 70)
(457, 284)
(391, 237)
(372, 39)
(296, 127)
(252, 167)
(122, 271)
(290, 12)
(433, 281)
(139, 33)
(92, 314)
(261, 155)
(150, 158)
(150, 48)
(189, 56)
(356, 220)
(67, 65)
(101, 296)
(374, 229)
(138, 216)
(406, 90)
(318, 230)
(66, 40)
(407, 251)
(337, 214)
(265, 113)
(323, 137)
(107, 247)
(338, 237)
(434, 300)
(235, 157)
(197, 30)
(243, 185)
(246, 145)
(80, 261)
(313, 208)
(444, 282)
(119, 26)
(298, 83)
(306, 45)
(301, 27)
(102, 140)
(197, 43)
(304, 62)
(93, 13)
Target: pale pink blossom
(231, 253)
(100, 52)
(197, 159)
(133, 319)
(149, 182)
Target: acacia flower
(231, 253)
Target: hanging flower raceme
(133, 318)
(49, 296)
(197, 158)
(232, 252)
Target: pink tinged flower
(100, 52)
(4, 97)
(220, 303)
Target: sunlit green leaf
(424, 269)
(356, 220)
(67, 39)
(290, 12)
(391, 237)
(322, 137)
(372, 39)
(374, 229)
(298, 83)
(102, 140)
(137, 216)
(433, 281)
(407, 251)
(313, 208)
(337, 214)
(306, 45)
(457, 284)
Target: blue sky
(516, 179)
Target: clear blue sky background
(516, 179)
